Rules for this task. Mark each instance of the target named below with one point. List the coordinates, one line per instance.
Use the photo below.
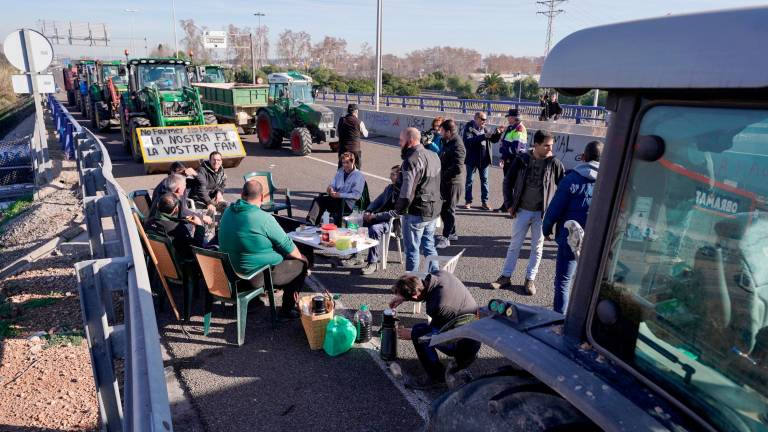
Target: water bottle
(363, 320)
(326, 218)
(388, 350)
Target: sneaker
(442, 243)
(485, 206)
(288, 315)
(467, 206)
(501, 282)
(423, 382)
(369, 268)
(350, 263)
(455, 377)
(453, 237)
(529, 287)
(501, 209)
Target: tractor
(208, 74)
(104, 94)
(158, 95)
(667, 323)
(84, 74)
(292, 113)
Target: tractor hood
(315, 114)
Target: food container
(343, 242)
(328, 232)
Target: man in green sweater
(253, 238)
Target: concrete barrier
(570, 139)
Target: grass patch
(39, 302)
(7, 329)
(75, 338)
(16, 208)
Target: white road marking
(336, 165)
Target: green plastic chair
(222, 282)
(269, 204)
(142, 201)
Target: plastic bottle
(326, 218)
(363, 321)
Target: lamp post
(133, 20)
(173, 25)
(259, 15)
(378, 54)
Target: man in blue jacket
(571, 202)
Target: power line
(550, 12)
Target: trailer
(234, 102)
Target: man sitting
(175, 168)
(168, 221)
(253, 238)
(345, 189)
(446, 298)
(208, 189)
(176, 184)
(376, 218)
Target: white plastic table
(314, 242)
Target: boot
(370, 268)
(529, 287)
(501, 282)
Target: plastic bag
(340, 334)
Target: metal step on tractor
(111, 80)
(667, 323)
(292, 113)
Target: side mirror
(649, 148)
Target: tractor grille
(175, 109)
(327, 118)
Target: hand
(512, 212)
(488, 134)
(207, 220)
(329, 190)
(499, 129)
(501, 163)
(334, 194)
(194, 220)
(367, 217)
(404, 333)
(548, 237)
(395, 302)
(211, 207)
(190, 172)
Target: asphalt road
(274, 382)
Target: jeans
(565, 267)
(419, 236)
(483, 171)
(451, 193)
(463, 350)
(525, 219)
(376, 232)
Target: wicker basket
(314, 325)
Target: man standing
(350, 130)
(571, 202)
(477, 139)
(446, 298)
(452, 157)
(253, 238)
(208, 190)
(419, 200)
(529, 187)
(514, 141)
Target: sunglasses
(482, 119)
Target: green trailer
(233, 102)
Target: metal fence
(117, 266)
(578, 113)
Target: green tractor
(159, 95)
(292, 113)
(208, 74)
(84, 73)
(111, 80)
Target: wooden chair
(223, 285)
(142, 201)
(150, 252)
(169, 268)
(446, 263)
(269, 204)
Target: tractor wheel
(94, 117)
(210, 118)
(102, 117)
(301, 141)
(137, 122)
(504, 403)
(269, 136)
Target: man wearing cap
(351, 130)
(514, 141)
(477, 138)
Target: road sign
(215, 39)
(45, 84)
(41, 49)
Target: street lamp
(378, 54)
(133, 20)
(173, 25)
(259, 15)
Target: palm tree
(492, 85)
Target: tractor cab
(290, 89)
(207, 74)
(117, 72)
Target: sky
(488, 26)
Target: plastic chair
(446, 263)
(142, 201)
(222, 283)
(150, 252)
(398, 236)
(269, 204)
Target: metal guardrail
(117, 267)
(578, 113)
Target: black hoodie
(208, 182)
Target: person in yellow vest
(514, 141)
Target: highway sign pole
(378, 55)
(253, 60)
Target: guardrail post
(97, 333)
(463, 106)
(578, 116)
(442, 105)
(421, 103)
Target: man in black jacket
(350, 134)
(211, 181)
(168, 221)
(419, 200)
(477, 139)
(452, 157)
(377, 227)
(529, 187)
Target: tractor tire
(137, 122)
(94, 117)
(102, 117)
(504, 403)
(87, 107)
(269, 136)
(210, 118)
(301, 141)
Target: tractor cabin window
(163, 77)
(684, 293)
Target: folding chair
(269, 204)
(446, 263)
(222, 282)
(169, 269)
(142, 201)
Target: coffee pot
(388, 350)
